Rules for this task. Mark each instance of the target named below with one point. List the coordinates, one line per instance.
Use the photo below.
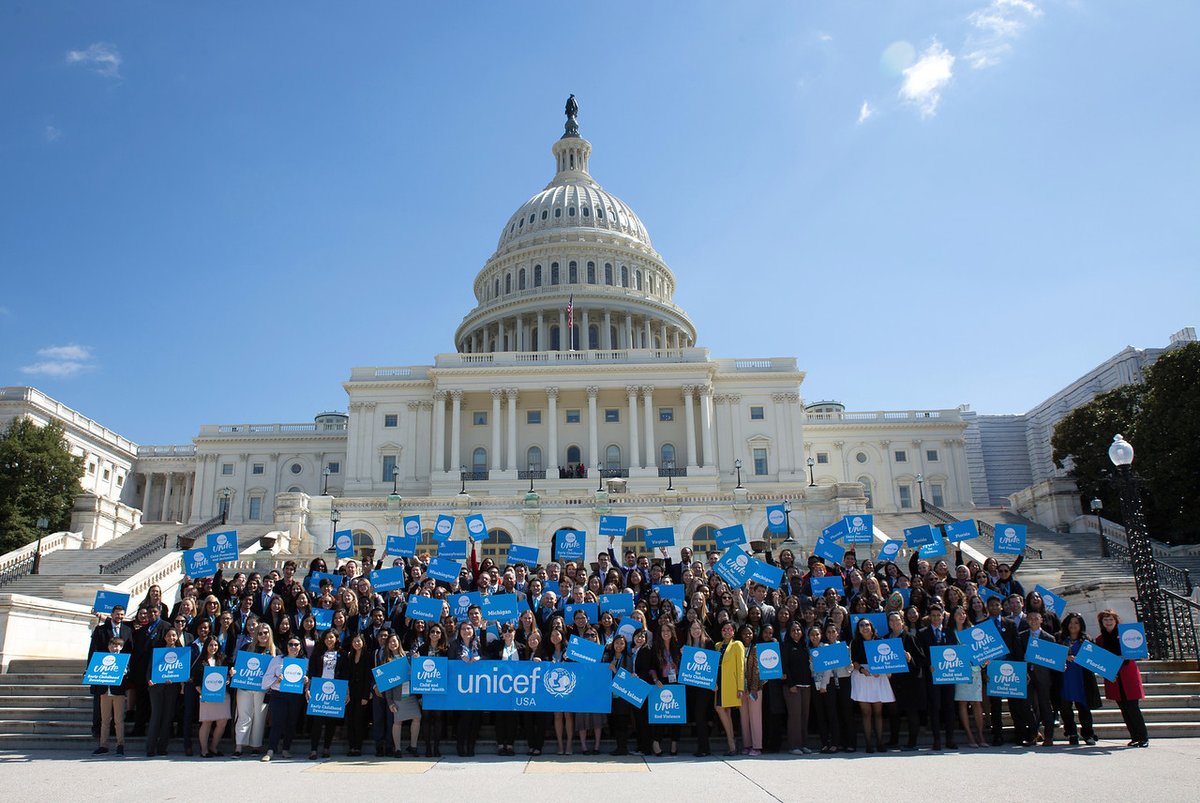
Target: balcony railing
(473, 476)
(672, 472)
(613, 473)
(532, 474)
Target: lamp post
(921, 490)
(395, 477)
(737, 466)
(226, 493)
(325, 487)
(670, 475)
(787, 517)
(811, 463)
(1096, 506)
(1145, 575)
(43, 524)
(600, 476)
(462, 474)
(530, 480)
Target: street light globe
(1096, 505)
(1121, 451)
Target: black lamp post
(737, 466)
(921, 490)
(1150, 600)
(325, 487)
(600, 476)
(226, 493)
(670, 475)
(530, 480)
(462, 473)
(811, 463)
(43, 524)
(334, 517)
(1096, 506)
(395, 477)
(787, 517)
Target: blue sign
(951, 664)
(476, 528)
(171, 664)
(452, 550)
(733, 567)
(402, 546)
(671, 591)
(698, 667)
(322, 618)
(879, 620)
(613, 525)
(904, 593)
(668, 705)
(660, 537)
(389, 579)
(885, 656)
(1047, 653)
(312, 583)
(986, 593)
(628, 628)
(1009, 539)
(733, 535)
(630, 687)
(524, 686)
(1008, 679)
(106, 600)
(1133, 641)
(106, 669)
(984, 641)
(223, 546)
(212, 684)
(1053, 602)
(770, 663)
(835, 532)
(501, 607)
(327, 698)
(343, 544)
(936, 549)
(291, 676)
(248, 670)
(590, 609)
(890, 550)
(443, 528)
(829, 656)
(392, 674)
(412, 529)
(584, 651)
(460, 603)
(199, 563)
(765, 574)
(444, 569)
(819, 584)
(522, 554)
(427, 609)
(860, 528)
(825, 549)
(429, 675)
(617, 604)
(570, 544)
(1099, 660)
(957, 531)
(777, 520)
(917, 537)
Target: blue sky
(209, 213)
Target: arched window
(554, 344)
(593, 337)
(534, 338)
(573, 455)
(521, 279)
(650, 276)
(364, 546)
(638, 279)
(295, 489)
(553, 273)
(572, 273)
(612, 457)
(545, 214)
(667, 452)
(591, 272)
(624, 276)
(427, 543)
(608, 273)
(868, 491)
(507, 283)
(537, 275)
(612, 337)
(496, 546)
(533, 458)
(704, 540)
(496, 289)
(635, 539)
(479, 459)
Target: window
(255, 508)
(533, 417)
(389, 463)
(591, 272)
(554, 341)
(901, 456)
(861, 457)
(704, 540)
(507, 283)
(637, 280)
(334, 468)
(573, 416)
(666, 413)
(574, 455)
(553, 273)
(571, 209)
(822, 458)
(760, 462)
(635, 541)
(757, 414)
(537, 275)
(391, 420)
(868, 491)
(932, 456)
(226, 470)
(479, 459)
(545, 214)
(608, 274)
(593, 337)
(521, 279)
(91, 468)
(905, 496)
(667, 453)
(624, 276)
(937, 494)
(612, 416)
(479, 418)
(533, 458)
(612, 457)
(107, 474)
(258, 468)
(120, 479)
(587, 212)
(295, 489)
(496, 289)
(496, 546)
(558, 212)
(573, 273)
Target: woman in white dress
(969, 696)
(869, 690)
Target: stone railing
(19, 562)
(178, 450)
(64, 413)
(884, 416)
(217, 430)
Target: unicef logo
(444, 526)
(476, 526)
(1132, 639)
(666, 697)
(770, 658)
(1007, 670)
(857, 522)
(741, 561)
(214, 682)
(170, 658)
(979, 635)
(776, 517)
(1009, 532)
(569, 538)
(253, 664)
(885, 650)
(222, 539)
(108, 661)
(949, 656)
(464, 601)
(201, 559)
(560, 682)
(429, 665)
(343, 542)
(412, 528)
(292, 673)
(701, 659)
(328, 687)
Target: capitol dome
(574, 244)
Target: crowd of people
(926, 604)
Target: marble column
(551, 461)
(494, 461)
(593, 454)
(689, 417)
(706, 426)
(456, 428)
(512, 428)
(648, 410)
(439, 432)
(635, 460)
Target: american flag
(571, 313)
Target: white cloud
(925, 79)
(865, 112)
(825, 37)
(68, 352)
(61, 361)
(58, 370)
(996, 24)
(52, 134)
(100, 57)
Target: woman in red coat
(1126, 690)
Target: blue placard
(890, 550)
(835, 532)
(199, 563)
(885, 656)
(668, 705)
(765, 574)
(936, 549)
(590, 609)
(733, 567)
(829, 656)
(957, 531)
(777, 520)
(819, 584)
(984, 641)
(223, 546)
(392, 674)
(212, 684)
(630, 687)
(444, 527)
(248, 670)
(412, 528)
(427, 609)
(699, 667)
(444, 569)
(877, 619)
(860, 528)
(1009, 539)
(951, 664)
(628, 628)
(524, 686)
(613, 525)
(570, 544)
(986, 593)
(476, 528)
(917, 537)
(343, 544)
(580, 649)
(770, 663)
(1046, 653)
(904, 593)
(671, 591)
(527, 555)
(429, 675)
(402, 546)
(825, 549)
(312, 583)
(1133, 641)
(1008, 679)
(733, 535)
(106, 669)
(660, 537)
(106, 600)
(327, 698)
(291, 676)
(1054, 603)
(323, 618)
(461, 602)
(501, 607)
(171, 664)
(617, 604)
(452, 550)
(389, 579)
(1099, 660)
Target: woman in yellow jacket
(731, 682)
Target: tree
(38, 477)
(1081, 440)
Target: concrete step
(66, 666)
(11, 702)
(42, 678)
(41, 688)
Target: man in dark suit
(262, 597)
(1008, 634)
(940, 696)
(675, 570)
(1038, 708)
(104, 632)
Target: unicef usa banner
(343, 544)
(522, 554)
(936, 549)
(1099, 660)
(571, 544)
(388, 579)
(249, 669)
(830, 656)
(957, 531)
(770, 665)
(1047, 654)
(886, 656)
(106, 669)
(402, 546)
(698, 667)
(828, 549)
(443, 569)
(860, 529)
(660, 537)
(322, 618)
(890, 550)
(584, 651)
(777, 519)
(819, 584)
(733, 535)
(461, 603)
(835, 532)
(199, 563)
(1008, 679)
(501, 608)
(617, 604)
(429, 675)
(412, 528)
(630, 688)
(223, 546)
(1133, 641)
(443, 528)
(1009, 539)
(613, 525)
(524, 686)
(391, 674)
(951, 664)
(733, 567)
(291, 678)
(426, 609)
(327, 698)
(917, 537)
(107, 600)
(452, 550)
(879, 620)
(668, 705)
(171, 664)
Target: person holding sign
(1126, 691)
(1038, 706)
(869, 690)
(699, 700)
(359, 663)
(403, 706)
(435, 646)
(285, 707)
(833, 688)
(731, 682)
(930, 640)
(908, 687)
(112, 705)
(797, 686)
(163, 695)
(1078, 688)
(969, 696)
(324, 664)
(467, 647)
(252, 704)
(213, 716)
(751, 695)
